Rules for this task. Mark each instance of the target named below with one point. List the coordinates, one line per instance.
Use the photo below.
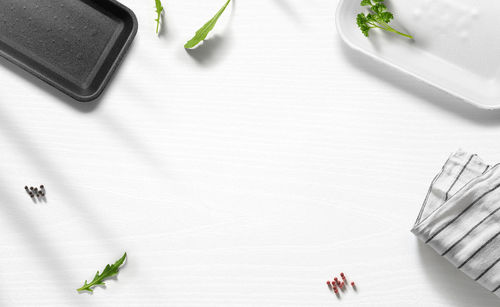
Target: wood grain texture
(243, 173)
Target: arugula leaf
(159, 10)
(202, 33)
(378, 18)
(109, 271)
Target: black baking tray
(73, 45)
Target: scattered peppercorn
(336, 284)
(32, 192)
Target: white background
(244, 173)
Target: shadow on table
(163, 28)
(420, 89)
(34, 239)
(210, 50)
(452, 283)
(285, 6)
(19, 136)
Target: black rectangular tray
(73, 45)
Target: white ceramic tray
(456, 46)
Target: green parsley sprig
(379, 18)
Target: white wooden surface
(244, 173)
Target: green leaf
(362, 21)
(385, 17)
(379, 8)
(366, 3)
(159, 10)
(202, 33)
(109, 271)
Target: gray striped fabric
(460, 218)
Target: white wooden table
(244, 173)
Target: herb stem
(391, 29)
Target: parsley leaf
(109, 271)
(202, 33)
(159, 10)
(378, 18)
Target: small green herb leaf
(202, 33)
(159, 10)
(109, 271)
(362, 22)
(378, 18)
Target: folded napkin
(460, 218)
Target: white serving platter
(456, 44)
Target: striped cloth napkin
(460, 218)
